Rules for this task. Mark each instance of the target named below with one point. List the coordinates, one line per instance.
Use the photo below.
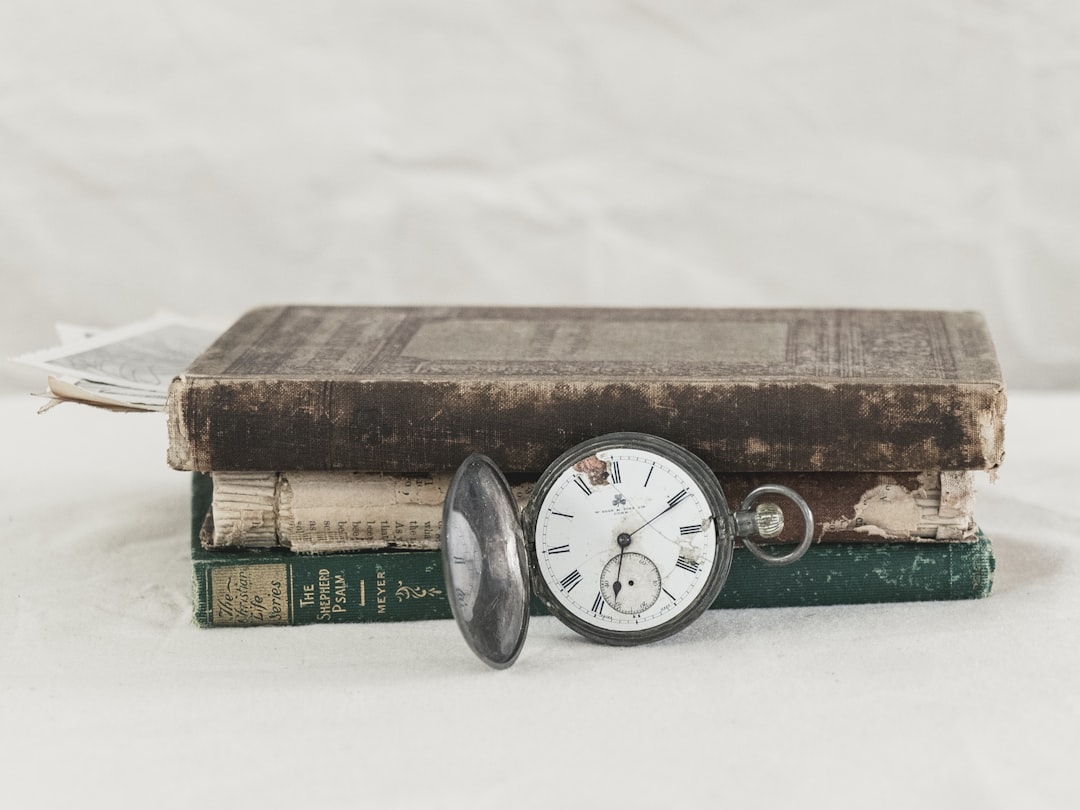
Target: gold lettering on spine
(324, 596)
(307, 595)
(341, 596)
(380, 592)
(333, 594)
(249, 594)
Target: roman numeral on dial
(695, 529)
(688, 565)
(570, 581)
(598, 604)
(582, 485)
(616, 476)
(563, 549)
(677, 498)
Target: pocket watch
(626, 539)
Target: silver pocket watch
(626, 539)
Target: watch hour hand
(616, 586)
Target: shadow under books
(1022, 564)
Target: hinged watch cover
(485, 562)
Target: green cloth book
(272, 587)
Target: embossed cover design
(419, 388)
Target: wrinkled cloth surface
(108, 691)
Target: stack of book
(323, 439)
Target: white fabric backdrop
(210, 156)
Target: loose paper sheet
(129, 368)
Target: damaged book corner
(324, 442)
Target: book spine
(845, 574)
(244, 590)
(401, 426)
(266, 587)
(338, 511)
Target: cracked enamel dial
(631, 538)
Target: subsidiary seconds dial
(629, 583)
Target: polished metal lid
(485, 563)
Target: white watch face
(626, 540)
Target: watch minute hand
(675, 501)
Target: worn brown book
(319, 512)
(407, 389)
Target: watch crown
(768, 520)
